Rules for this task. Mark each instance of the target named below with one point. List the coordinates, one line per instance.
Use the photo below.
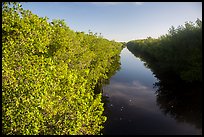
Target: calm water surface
(131, 106)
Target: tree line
(175, 55)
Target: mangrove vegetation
(49, 75)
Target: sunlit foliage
(49, 73)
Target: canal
(132, 105)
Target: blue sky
(120, 21)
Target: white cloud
(116, 3)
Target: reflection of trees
(115, 66)
(182, 101)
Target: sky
(119, 21)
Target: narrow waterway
(131, 103)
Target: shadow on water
(182, 101)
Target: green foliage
(177, 53)
(49, 73)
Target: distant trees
(178, 53)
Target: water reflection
(133, 106)
(183, 103)
(133, 110)
(130, 95)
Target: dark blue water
(131, 106)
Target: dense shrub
(49, 73)
(177, 53)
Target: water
(131, 103)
